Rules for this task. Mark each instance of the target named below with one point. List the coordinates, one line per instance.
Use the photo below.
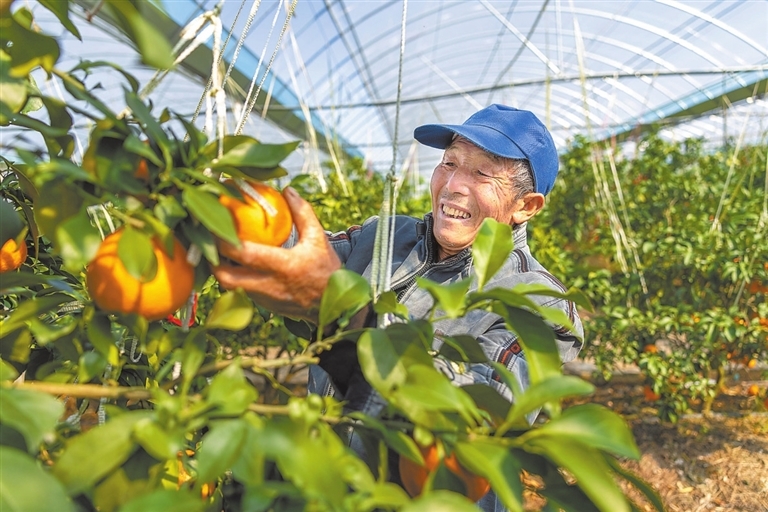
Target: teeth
(452, 212)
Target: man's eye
(483, 174)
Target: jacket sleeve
(502, 346)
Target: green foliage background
(696, 275)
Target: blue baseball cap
(504, 131)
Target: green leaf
(11, 225)
(166, 501)
(99, 331)
(232, 311)
(77, 241)
(590, 425)
(90, 365)
(641, 485)
(440, 501)
(490, 249)
(161, 443)
(387, 303)
(498, 465)
(489, 400)
(87, 65)
(152, 45)
(169, 210)
(30, 48)
(248, 468)
(395, 439)
(426, 391)
(462, 348)
(192, 356)
(206, 208)
(137, 254)
(56, 202)
(198, 235)
(588, 466)
(563, 495)
(26, 487)
(144, 115)
(574, 295)
(14, 91)
(537, 340)
(347, 292)
(384, 360)
(31, 413)
(15, 345)
(230, 391)
(32, 308)
(220, 447)
(315, 461)
(46, 332)
(448, 297)
(251, 153)
(7, 371)
(89, 457)
(551, 389)
(61, 10)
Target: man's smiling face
(467, 186)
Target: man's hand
(289, 282)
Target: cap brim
(440, 136)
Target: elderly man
(500, 163)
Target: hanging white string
(240, 42)
(255, 77)
(315, 169)
(250, 104)
(381, 268)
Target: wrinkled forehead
(459, 140)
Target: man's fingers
(232, 276)
(254, 254)
(307, 223)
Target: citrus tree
(112, 400)
(671, 247)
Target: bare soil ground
(702, 463)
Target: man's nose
(457, 182)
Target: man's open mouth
(454, 213)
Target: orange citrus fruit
(114, 289)
(650, 348)
(254, 222)
(414, 476)
(650, 394)
(753, 390)
(142, 171)
(12, 255)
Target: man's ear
(528, 206)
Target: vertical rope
(383, 245)
(250, 104)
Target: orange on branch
(142, 171)
(114, 289)
(650, 394)
(264, 219)
(414, 476)
(753, 390)
(12, 255)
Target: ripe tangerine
(414, 476)
(12, 255)
(753, 390)
(650, 394)
(114, 289)
(253, 222)
(142, 171)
